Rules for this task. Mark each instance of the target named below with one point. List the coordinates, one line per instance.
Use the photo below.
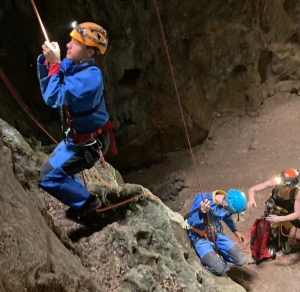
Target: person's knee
(214, 263)
(241, 260)
(239, 257)
(45, 169)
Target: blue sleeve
(78, 86)
(42, 70)
(197, 220)
(230, 223)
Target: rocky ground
(239, 153)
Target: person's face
(76, 51)
(224, 204)
(285, 188)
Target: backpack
(261, 245)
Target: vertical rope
(21, 102)
(40, 20)
(176, 91)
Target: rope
(250, 282)
(246, 251)
(40, 20)
(21, 103)
(176, 91)
(83, 177)
(18, 98)
(98, 177)
(247, 236)
(287, 235)
(126, 202)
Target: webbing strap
(202, 233)
(88, 112)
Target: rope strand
(176, 91)
(18, 98)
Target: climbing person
(205, 230)
(282, 209)
(76, 85)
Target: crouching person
(213, 246)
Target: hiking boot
(83, 214)
(286, 247)
(92, 203)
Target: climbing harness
(271, 207)
(209, 232)
(90, 139)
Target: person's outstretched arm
(271, 183)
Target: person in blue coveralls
(76, 84)
(212, 245)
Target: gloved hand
(51, 51)
(205, 206)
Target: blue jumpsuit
(80, 87)
(227, 250)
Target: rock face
(140, 246)
(227, 57)
(32, 257)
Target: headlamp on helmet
(278, 180)
(290, 177)
(90, 34)
(77, 27)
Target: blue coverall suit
(80, 87)
(225, 247)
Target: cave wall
(227, 57)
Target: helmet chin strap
(85, 58)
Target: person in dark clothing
(282, 209)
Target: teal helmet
(236, 201)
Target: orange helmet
(90, 34)
(290, 177)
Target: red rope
(250, 282)
(287, 235)
(176, 90)
(247, 236)
(18, 98)
(21, 102)
(245, 250)
(40, 20)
